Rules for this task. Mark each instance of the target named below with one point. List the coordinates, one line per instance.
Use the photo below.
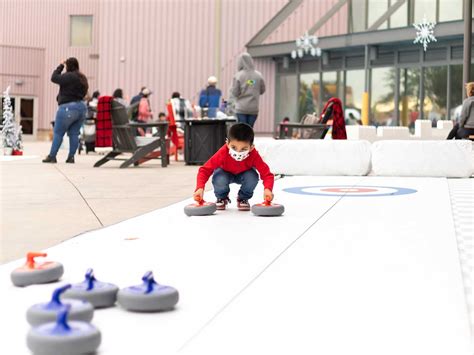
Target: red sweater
(223, 160)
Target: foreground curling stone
(148, 297)
(47, 312)
(99, 294)
(36, 273)
(63, 338)
(268, 209)
(200, 208)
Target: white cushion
(316, 157)
(422, 158)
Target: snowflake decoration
(306, 44)
(424, 32)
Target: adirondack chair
(124, 141)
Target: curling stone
(200, 208)
(99, 294)
(47, 312)
(36, 273)
(148, 297)
(63, 337)
(268, 209)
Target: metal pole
(467, 42)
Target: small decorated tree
(9, 132)
(18, 145)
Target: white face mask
(239, 156)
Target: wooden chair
(124, 141)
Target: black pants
(460, 132)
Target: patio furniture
(141, 148)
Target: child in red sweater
(236, 162)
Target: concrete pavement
(44, 204)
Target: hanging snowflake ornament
(306, 44)
(424, 32)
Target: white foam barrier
(355, 132)
(423, 129)
(442, 129)
(316, 157)
(388, 132)
(423, 158)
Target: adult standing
(465, 127)
(144, 110)
(247, 86)
(72, 109)
(210, 97)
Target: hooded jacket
(467, 113)
(247, 86)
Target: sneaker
(70, 160)
(221, 203)
(49, 159)
(243, 205)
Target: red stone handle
(30, 258)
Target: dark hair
(72, 65)
(241, 132)
(161, 114)
(175, 95)
(118, 93)
(96, 94)
(286, 119)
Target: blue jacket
(210, 97)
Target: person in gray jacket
(465, 128)
(247, 86)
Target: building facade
(174, 45)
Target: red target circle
(348, 190)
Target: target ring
(350, 191)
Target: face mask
(239, 156)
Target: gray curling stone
(63, 337)
(200, 208)
(99, 294)
(268, 209)
(148, 297)
(42, 313)
(36, 273)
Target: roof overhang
(443, 30)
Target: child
(235, 162)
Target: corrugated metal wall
(45, 24)
(164, 44)
(305, 16)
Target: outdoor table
(162, 127)
(203, 138)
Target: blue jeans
(221, 180)
(249, 119)
(69, 118)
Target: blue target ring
(351, 191)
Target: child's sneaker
(243, 205)
(221, 203)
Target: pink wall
(168, 45)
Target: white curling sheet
(372, 275)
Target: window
(358, 18)
(409, 97)
(376, 9)
(355, 82)
(286, 104)
(436, 94)
(425, 8)
(450, 10)
(332, 85)
(383, 84)
(308, 101)
(400, 17)
(81, 31)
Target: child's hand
(268, 195)
(198, 195)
